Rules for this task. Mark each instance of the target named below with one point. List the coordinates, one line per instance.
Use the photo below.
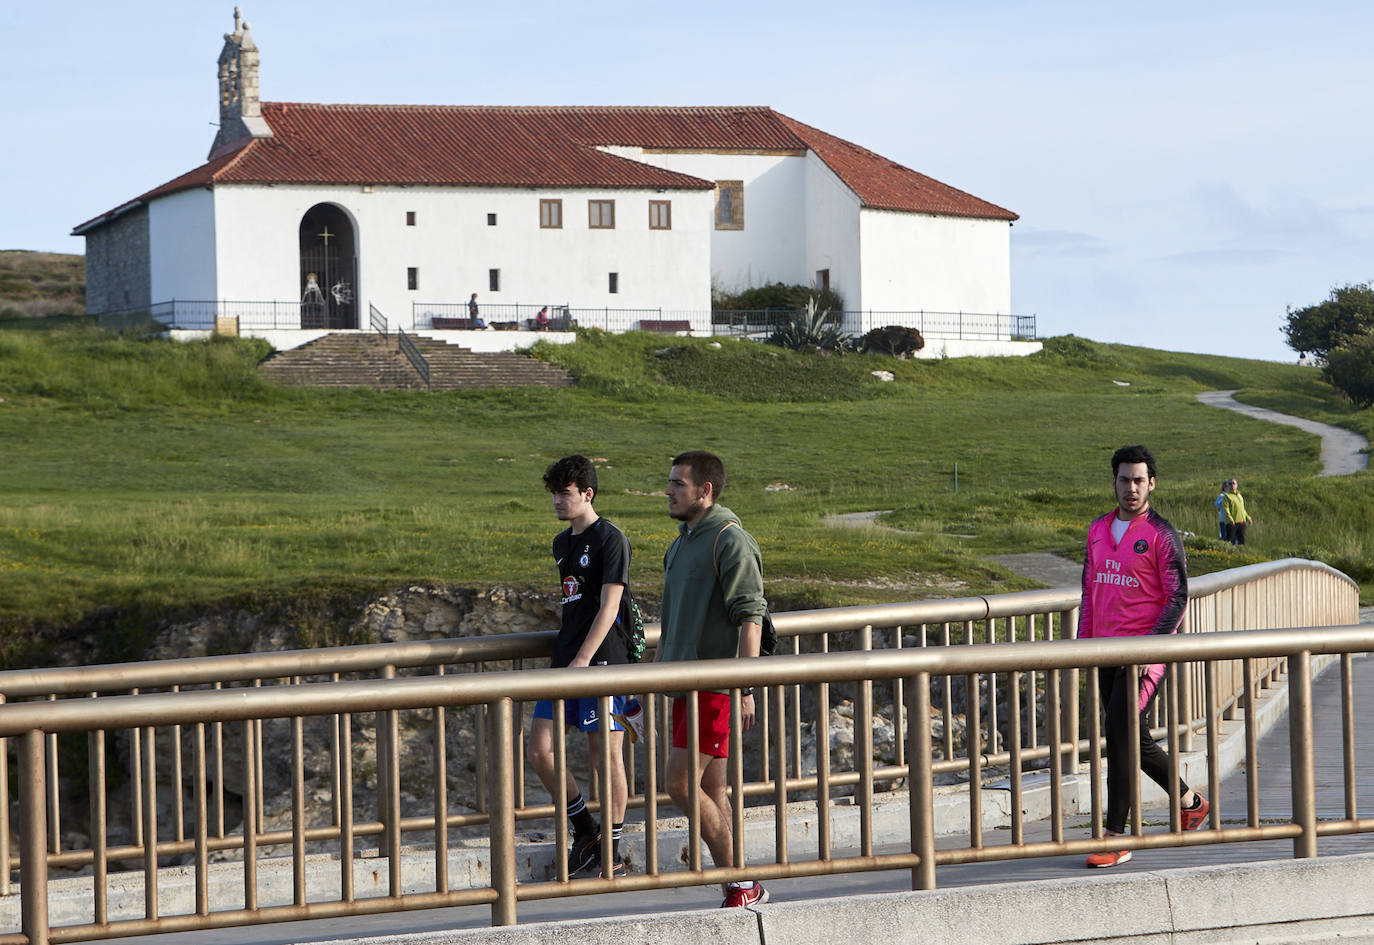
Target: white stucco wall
(832, 232)
(454, 248)
(181, 247)
(772, 245)
(934, 263)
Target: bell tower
(240, 114)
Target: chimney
(240, 113)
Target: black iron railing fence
(418, 360)
(520, 316)
(377, 319)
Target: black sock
(583, 823)
(615, 839)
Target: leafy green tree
(1320, 328)
(1350, 369)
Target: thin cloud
(1067, 243)
(1227, 256)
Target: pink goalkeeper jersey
(1136, 587)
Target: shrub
(1350, 369)
(776, 297)
(810, 329)
(896, 340)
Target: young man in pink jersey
(1135, 583)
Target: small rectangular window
(615, 283)
(601, 214)
(494, 280)
(551, 214)
(491, 219)
(729, 204)
(412, 278)
(823, 279)
(410, 218)
(660, 214)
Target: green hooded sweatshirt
(712, 583)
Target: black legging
(1114, 687)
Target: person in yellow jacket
(1233, 508)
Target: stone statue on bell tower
(240, 114)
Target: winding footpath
(1342, 451)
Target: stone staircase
(367, 360)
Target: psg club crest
(1141, 546)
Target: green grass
(150, 476)
(41, 284)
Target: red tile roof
(886, 185)
(554, 146)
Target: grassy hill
(37, 284)
(149, 476)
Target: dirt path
(1342, 450)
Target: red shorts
(713, 723)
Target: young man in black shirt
(593, 558)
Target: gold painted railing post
(98, 826)
(921, 797)
(1300, 738)
(1068, 709)
(33, 826)
(501, 804)
(150, 823)
(1184, 679)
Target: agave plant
(809, 329)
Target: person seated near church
(541, 320)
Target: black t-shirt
(586, 562)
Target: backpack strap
(714, 563)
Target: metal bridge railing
(205, 716)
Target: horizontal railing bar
(526, 685)
(679, 878)
(83, 680)
(234, 918)
(1149, 841)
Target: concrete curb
(1277, 901)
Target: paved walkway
(1342, 450)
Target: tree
(1320, 328)
(1350, 369)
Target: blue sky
(1183, 172)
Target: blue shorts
(582, 713)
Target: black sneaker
(584, 853)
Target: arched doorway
(329, 269)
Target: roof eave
(81, 229)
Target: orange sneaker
(1192, 818)
(1109, 858)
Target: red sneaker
(1110, 858)
(737, 895)
(1194, 817)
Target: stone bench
(667, 326)
(446, 323)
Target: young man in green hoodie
(713, 608)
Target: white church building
(310, 216)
